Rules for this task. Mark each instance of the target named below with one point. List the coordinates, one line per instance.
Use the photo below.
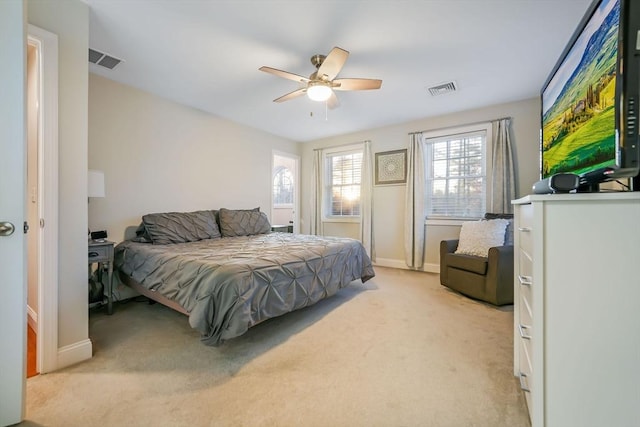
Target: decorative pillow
(243, 222)
(141, 234)
(476, 237)
(508, 235)
(181, 227)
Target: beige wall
(388, 216)
(70, 21)
(160, 156)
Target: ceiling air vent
(443, 88)
(99, 58)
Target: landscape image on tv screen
(578, 114)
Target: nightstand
(101, 252)
(282, 228)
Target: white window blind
(456, 175)
(343, 179)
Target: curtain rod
(342, 145)
(457, 126)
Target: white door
(285, 190)
(13, 299)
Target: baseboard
(74, 353)
(32, 318)
(399, 263)
(393, 263)
(431, 268)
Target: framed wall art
(391, 167)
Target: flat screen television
(589, 120)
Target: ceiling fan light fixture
(318, 92)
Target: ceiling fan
(322, 83)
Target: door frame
(47, 333)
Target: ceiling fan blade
(333, 101)
(284, 74)
(333, 63)
(291, 95)
(356, 84)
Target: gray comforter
(230, 284)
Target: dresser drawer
(526, 239)
(99, 253)
(526, 373)
(525, 274)
(526, 318)
(525, 222)
(525, 216)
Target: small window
(456, 175)
(343, 177)
(283, 187)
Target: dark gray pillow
(243, 222)
(181, 227)
(141, 234)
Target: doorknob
(6, 229)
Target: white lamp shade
(95, 184)
(318, 92)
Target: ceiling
(206, 54)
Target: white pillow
(476, 237)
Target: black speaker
(98, 235)
(558, 183)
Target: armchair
(487, 278)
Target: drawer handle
(521, 329)
(525, 280)
(524, 229)
(523, 385)
(93, 254)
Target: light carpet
(400, 350)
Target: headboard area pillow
(243, 222)
(181, 227)
(141, 235)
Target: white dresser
(577, 308)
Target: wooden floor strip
(31, 353)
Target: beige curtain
(366, 201)
(414, 230)
(503, 180)
(316, 195)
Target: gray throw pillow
(243, 222)
(181, 227)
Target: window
(343, 176)
(456, 173)
(283, 187)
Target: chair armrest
(446, 247)
(500, 274)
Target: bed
(228, 272)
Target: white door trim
(47, 333)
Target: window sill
(353, 220)
(448, 221)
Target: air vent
(443, 88)
(99, 58)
